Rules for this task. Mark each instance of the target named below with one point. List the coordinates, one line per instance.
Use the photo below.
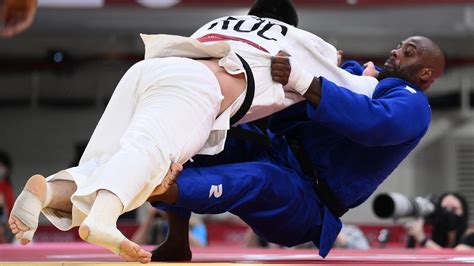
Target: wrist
(314, 93)
(304, 82)
(299, 79)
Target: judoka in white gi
(166, 109)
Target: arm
(314, 92)
(394, 117)
(416, 229)
(298, 76)
(429, 243)
(467, 242)
(384, 120)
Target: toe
(145, 260)
(19, 224)
(144, 253)
(19, 236)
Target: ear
(425, 74)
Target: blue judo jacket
(355, 142)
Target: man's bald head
(417, 60)
(432, 55)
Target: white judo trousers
(173, 103)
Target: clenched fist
(281, 68)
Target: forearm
(463, 247)
(424, 241)
(370, 122)
(314, 92)
(431, 244)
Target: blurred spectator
(153, 229)
(351, 237)
(450, 225)
(16, 16)
(6, 195)
(197, 232)
(6, 190)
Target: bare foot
(23, 219)
(172, 252)
(128, 247)
(112, 239)
(169, 180)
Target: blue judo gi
(353, 142)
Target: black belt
(250, 93)
(320, 186)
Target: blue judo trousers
(354, 142)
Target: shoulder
(404, 96)
(397, 87)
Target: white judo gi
(165, 108)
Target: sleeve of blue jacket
(355, 68)
(393, 116)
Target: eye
(409, 52)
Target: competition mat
(83, 254)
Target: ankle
(106, 209)
(36, 185)
(48, 195)
(105, 236)
(177, 240)
(172, 251)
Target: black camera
(396, 205)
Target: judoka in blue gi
(346, 143)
